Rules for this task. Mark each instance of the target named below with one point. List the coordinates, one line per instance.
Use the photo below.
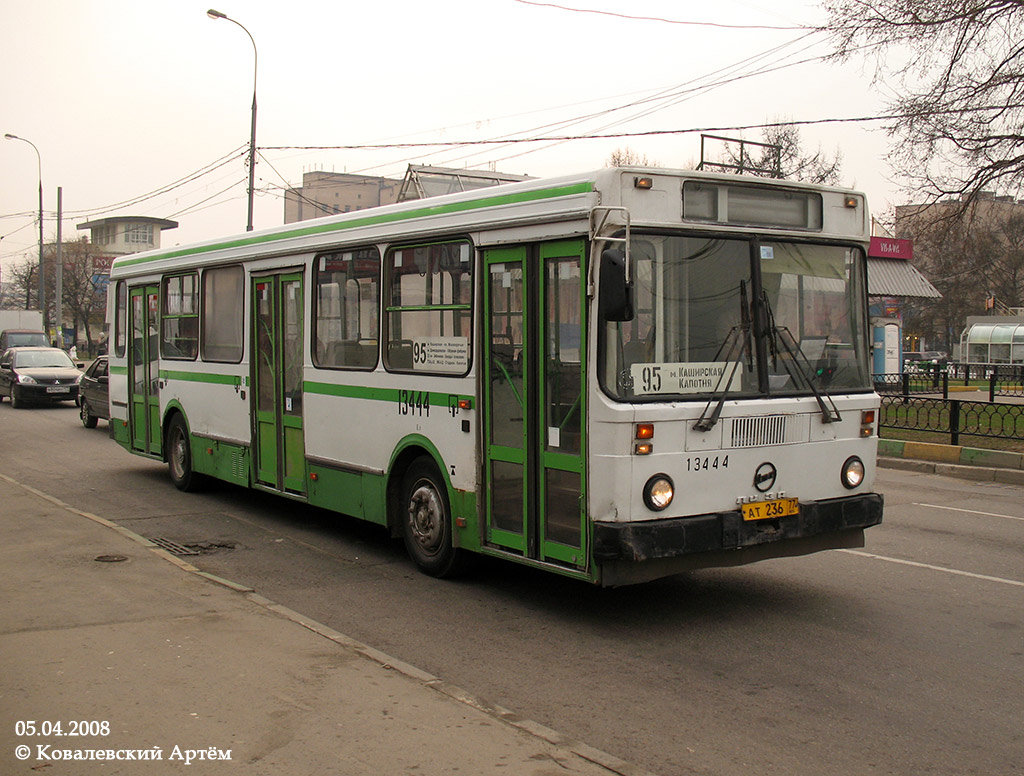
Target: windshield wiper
(735, 339)
(707, 422)
(777, 335)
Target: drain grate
(173, 547)
(187, 550)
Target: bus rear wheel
(426, 521)
(179, 457)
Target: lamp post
(214, 14)
(42, 290)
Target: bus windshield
(695, 331)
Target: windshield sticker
(767, 252)
(690, 377)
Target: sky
(143, 107)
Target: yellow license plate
(763, 510)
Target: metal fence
(997, 379)
(955, 417)
(911, 383)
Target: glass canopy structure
(993, 343)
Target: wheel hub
(425, 514)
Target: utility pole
(59, 300)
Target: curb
(586, 752)
(964, 472)
(970, 457)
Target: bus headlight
(853, 472)
(658, 492)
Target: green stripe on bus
(437, 398)
(118, 370)
(200, 377)
(384, 218)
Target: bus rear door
(144, 374)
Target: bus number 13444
(414, 403)
(706, 463)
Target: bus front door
(144, 375)
(279, 454)
(535, 401)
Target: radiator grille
(760, 432)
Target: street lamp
(39, 158)
(213, 14)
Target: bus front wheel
(426, 521)
(179, 457)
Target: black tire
(426, 521)
(179, 457)
(88, 419)
(16, 403)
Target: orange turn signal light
(645, 431)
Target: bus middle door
(534, 401)
(279, 454)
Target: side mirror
(615, 291)
(6, 367)
(103, 380)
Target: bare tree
(949, 254)
(781, 155)
(627, 157)
(21, 284)
(84, 291)
(957, 68)
(967, 260)
(1005, 276)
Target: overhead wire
(658, 18)
(679, 95)
(192, 208)
(202, 171)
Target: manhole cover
(110, 558)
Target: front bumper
(38, 393)
(722, 531)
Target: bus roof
(533, 201)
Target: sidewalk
(157, 666)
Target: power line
(594, 136)
(659, 19)
(195, 206)
(668, 98)
(204, 170)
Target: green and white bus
(614, 376)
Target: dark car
(94, 394)
(42, 375)
(22, 338)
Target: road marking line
(957, 572)
(970, 511)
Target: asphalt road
(904, 658)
